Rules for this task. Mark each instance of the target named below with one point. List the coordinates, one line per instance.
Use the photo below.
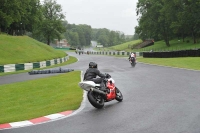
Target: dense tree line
(108, 38)
(17, 16)
(45, 22)
(42, 21)
(78, 35)
(165, 20)
(81, 35)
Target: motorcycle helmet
(92, 65)
(132, 55)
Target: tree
(51, 25)
(191, 18)
(73, 38)
(135, 36)
(102, 36)
(82, 39)
(107, 37)
(112, 38)
(78, 35)
(18, 16)
(166, 19)
(153, 20)
(103, 40)
(33, 15)
(87, 30)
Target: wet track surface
(156, 100)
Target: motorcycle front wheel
(95, 99)
(119, 96)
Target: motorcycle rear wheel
(133, 64)
(95, 99)
(119, 96)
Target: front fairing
(111, 86)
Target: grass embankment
(174, 46)
(23, 49)
(184, 62)
(121, 47)
(35, 98)
(158, 46)
(126, 46)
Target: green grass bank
(175, 44)
(184, 62)
(23, 49)
(35, 98)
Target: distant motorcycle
(96, 96)
(132, 61)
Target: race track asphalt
(157, 99)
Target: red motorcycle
(96, 96)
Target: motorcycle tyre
(93, 100)
(119, 96)
(133, 64)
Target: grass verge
(184, 62)
(23, 49)
(35, 98)
(175, 45)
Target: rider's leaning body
(92, 72)
(131, 56)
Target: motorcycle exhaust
(98, 91)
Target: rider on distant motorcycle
(92, 72)
(131, 56)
